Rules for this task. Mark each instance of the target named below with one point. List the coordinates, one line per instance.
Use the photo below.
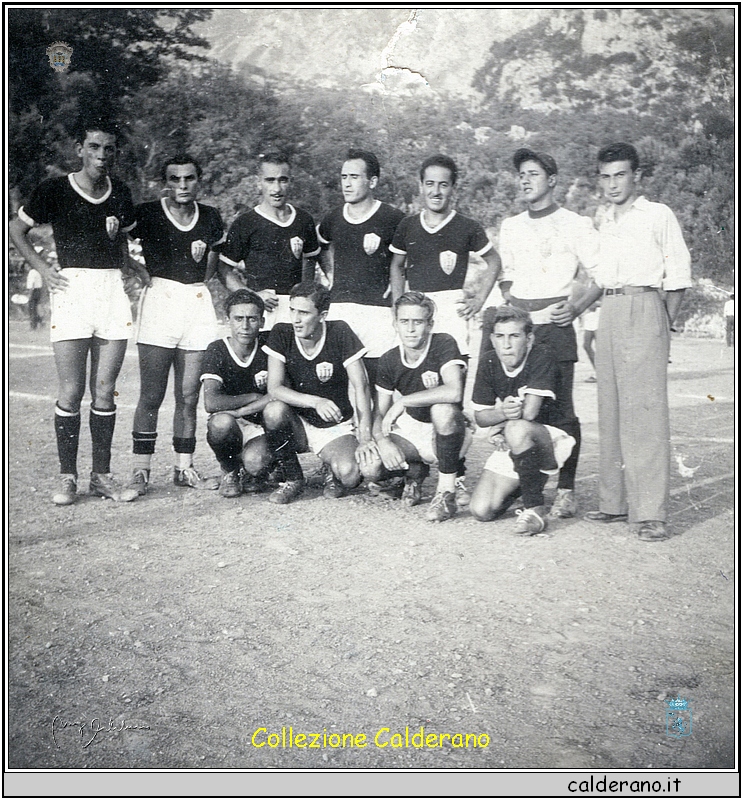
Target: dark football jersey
(168, 246)
(395, 373)
(79, 221)
(361, 254)
(437, 258)
(324, 374)
(537, 375)
(222, 364)
(271, 251)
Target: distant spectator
(729, 312)
(590, 326)
(34, 283)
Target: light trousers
(632, 347)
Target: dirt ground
(185, 622)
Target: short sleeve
(311, 245)
(449, 352)
(236, 244)
(505, 250)
(211, 366)
(216, 227)
(278, 342)
(479, 244)
(351, 347)
(542, 375)
(41, 205)
(384, 380)
(399, 240)
(483, 393)
(125, 207)
(325, 229)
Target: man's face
(245, 321)
(511, 343)
(619, 181)
(413, 326)
(536, 184)
(274, 179)
(97, 153)
(355, 184)
(437, 189)
(182, 181)
(306, 319)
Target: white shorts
(317, 438)
(591, 320)
(423, 436)
(372, 324)
(501, 463)
(447, 320)
(94, 304)
(250, 430)
(279, 314)
(176, 315)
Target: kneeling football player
(310, 365)
(514, 394)
(425, 424)
(234, 375)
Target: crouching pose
(515, 395)
(235, 375)
(425, 425)
(310, 365)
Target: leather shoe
(653, 530)
(602, 516)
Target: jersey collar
(96, 201)
(292, 216)
(320, 344)
(365, 218)
(237, 358)
(428, 229)
(520, 368)
(185, 228)
(409, 365)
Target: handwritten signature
(93, 728)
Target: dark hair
(87, 123)
(494, 316)
(440, 160)
(545, 160)
(319, 294)
(178, 160)
(275, 157)
(243, 296)
(416, 299)
(371, 161)
(620, 151)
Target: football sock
(448, 449)
(568, 469)
(67, 428)
(143, 447)
(227, 448)
(528, 466)
(281, 444)
(447, 482)
(102, 424)
(184, 449)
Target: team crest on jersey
(430, 379)
(261, 379)
(371, 243)
(297, 245)
(198, 248)
(324, 371)
(448, 260)
(112, 227)
(60, 56)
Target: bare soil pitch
(192, 621)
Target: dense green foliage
(171, 98)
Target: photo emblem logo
(297, 244)
(678, 718)
(371, 243)
(60, 56)
(448, 260)
(430, 379)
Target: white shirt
(644, 247)
(541, 253)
